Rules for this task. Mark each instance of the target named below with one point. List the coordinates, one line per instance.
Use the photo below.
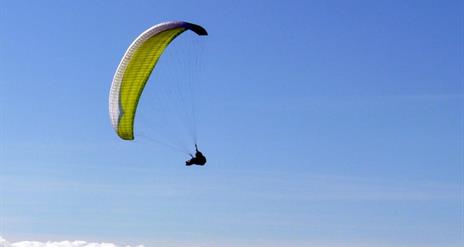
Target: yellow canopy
(135, 69)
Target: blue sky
(325, 123)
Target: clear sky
(325, 123)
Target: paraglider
(199, 158)
(134, 71)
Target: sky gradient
(325, 123)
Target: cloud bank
(77, 243)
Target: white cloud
(4, 243)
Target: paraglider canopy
(135, 68)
